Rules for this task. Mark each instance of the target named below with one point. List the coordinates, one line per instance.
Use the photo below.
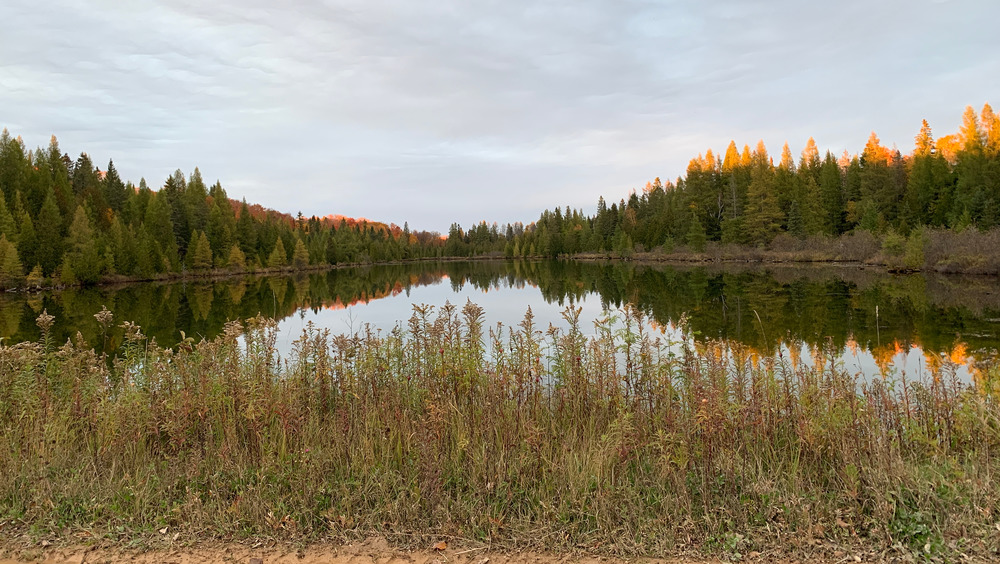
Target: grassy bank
(515, 436)
(929, 250)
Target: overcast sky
(441, 111)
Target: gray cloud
(456, 110)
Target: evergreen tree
(8, 226)
(82, 255)
(123, 245)
(173, 190)
(246, 234)
(49, 232)
(115, 191)
(763, 215)
(196, 201)
(160, 228)
(59, 172)
(11, 271)
(220, 230)
(278, 258)
(27, 241)
(13, 165)
(237, 260)
(300, 256)
(199, 252)
(696, 237)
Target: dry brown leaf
(441, 545)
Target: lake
(879, 323)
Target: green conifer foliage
(82, 255)
(237, 260)
(11, 271)
(49, 236)
(300, 256)
(278, 258)
(199, 252)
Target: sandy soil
(374, 551)
(368, 553)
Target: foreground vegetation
(515, 436)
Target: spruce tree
(763, 215)
(11, 271)
(115, 191)
(300, 256)
(27, 242)
(82, 255)
(49, 232)
(8, 226)
(237, 260)
(160, 228)
(696, 237)
(199, 252)
(278, 258)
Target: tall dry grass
(519, 436)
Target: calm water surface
(878, 323)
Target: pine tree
(114, 189)
(278, 257)
(763, 215)
(160, 228)
(13, 165)
(786, 182)
(59, 171)
(810, 161)
(82, 255)
(246, 235)
(696, 237)
(49, 233)
(27, 242)
(237, 260)
(195, 201)
(34, 279)
(199, 252)
(990, 123)
(300, 256)
(122, 244)
(11, 271)
(66, 275)
(8, 226)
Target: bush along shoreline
(924, 250)
(516, 436)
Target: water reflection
(871, 321)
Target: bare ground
(373, 551)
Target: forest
(66, 222)
(742, 198)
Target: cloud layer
(458, 110)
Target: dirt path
(374, 551)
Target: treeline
(743, 198)
(68, 222)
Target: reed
(606, 438)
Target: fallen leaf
(842, 524)
(163, 531)
(441, 545)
